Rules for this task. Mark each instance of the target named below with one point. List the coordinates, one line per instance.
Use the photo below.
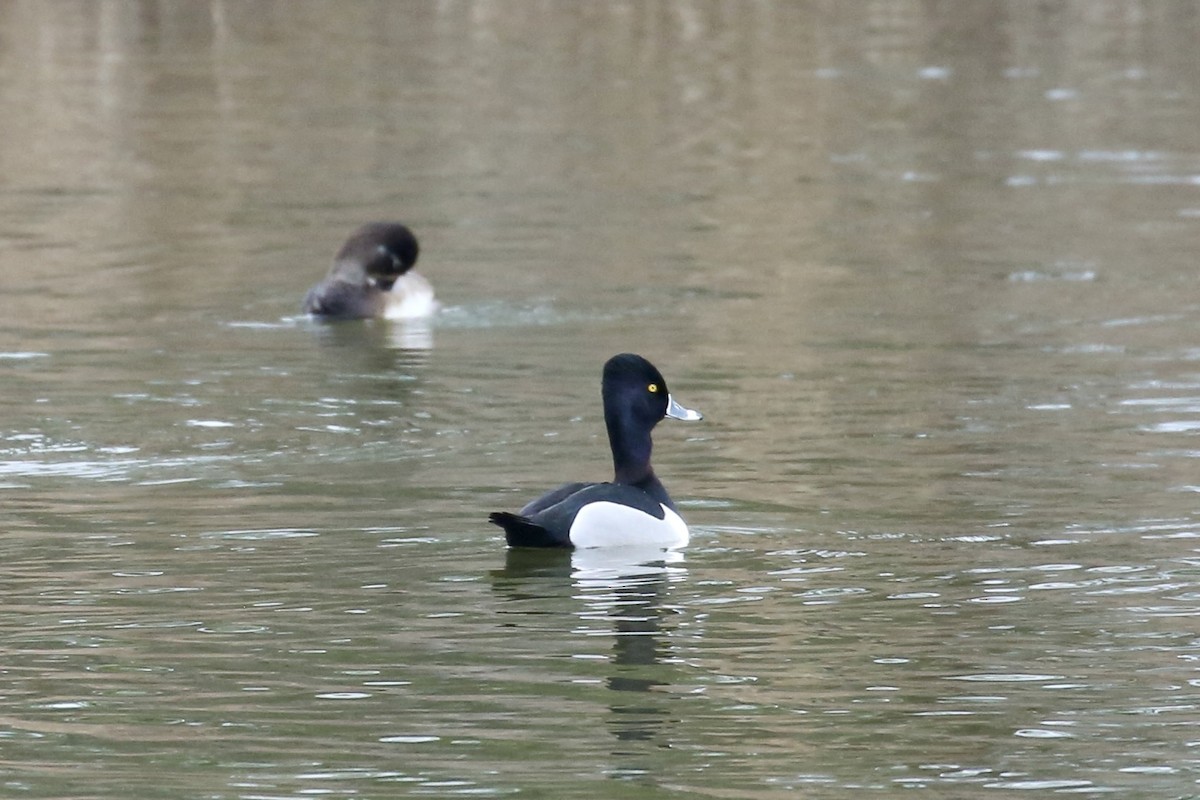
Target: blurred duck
(372, 276)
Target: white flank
(604, 524)
(411, 297)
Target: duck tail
(523, 532)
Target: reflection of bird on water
(627, 587)
(617, 589)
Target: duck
(634, 508)
(372, 276)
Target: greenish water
(928, 271)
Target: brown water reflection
(928, 269)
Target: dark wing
(339, 299)
(523, 532)
(552, 497)
(550, 525)
(621, 493)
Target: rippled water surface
(929, 269)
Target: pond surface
(929, 270)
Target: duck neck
(631, 448)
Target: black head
(382, 250)
(634, 388)
(635, 399)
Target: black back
(368, 265)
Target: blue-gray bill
(676, 411)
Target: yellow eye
(653, 387)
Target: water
(929, 272)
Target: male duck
(634, 509)
(372, 276)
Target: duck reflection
(376, 349)
(366, 370)
(413, 337)
(619, 592)
(628, 589)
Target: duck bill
(676, 411)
